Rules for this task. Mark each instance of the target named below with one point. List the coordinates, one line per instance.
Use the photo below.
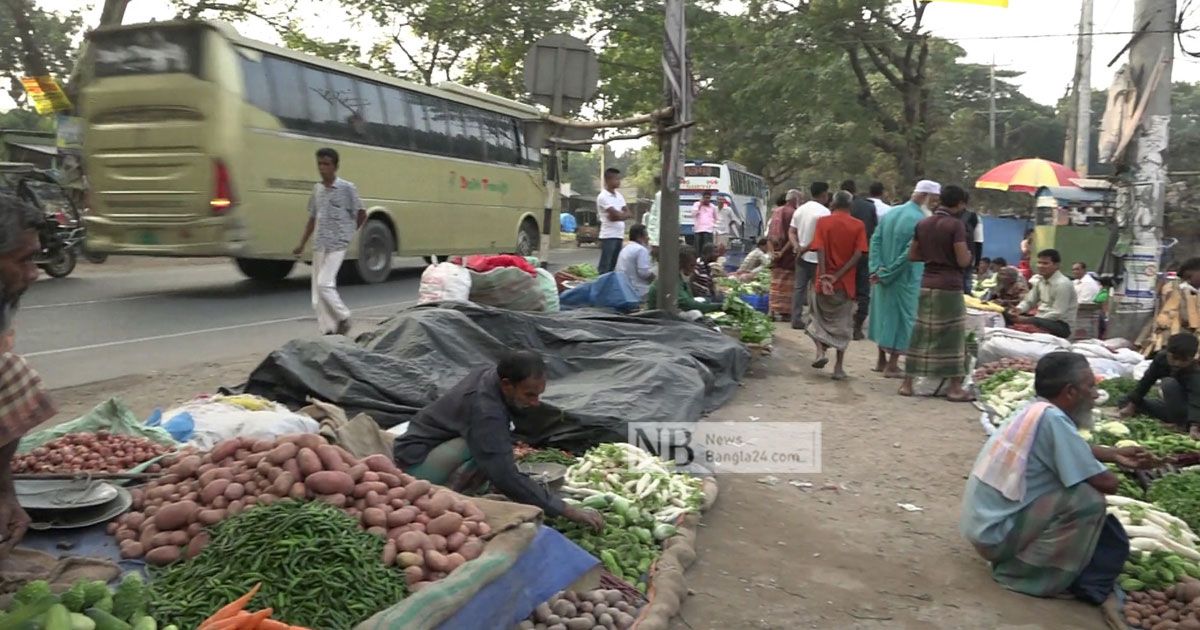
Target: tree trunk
(31, 56)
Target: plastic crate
(760, 303)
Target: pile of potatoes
(430, 531)
(601, 609)
(1176, 608)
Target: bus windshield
(147, 51)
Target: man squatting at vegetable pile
(1178, 377)
(1034, 504)
(23, 403)
(463, 439)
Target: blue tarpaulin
(550, 564)
(1002, 237)
(566, 223)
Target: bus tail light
(222, 199)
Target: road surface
(102, 324)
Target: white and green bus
(200, 142)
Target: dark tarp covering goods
(605, 370)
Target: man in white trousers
(335, 213)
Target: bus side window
(349, 121)
(255, 88)
(372, 127)
(399, 118)
(470, 145)
(318, 94)
(435, 114)
(287, 88)
(501, 138)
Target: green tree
(37, 42)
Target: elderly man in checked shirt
(23, 402)
(335, 213)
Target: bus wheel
(375, 250)
(263, 270)
(527, 238)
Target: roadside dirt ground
(838, 555)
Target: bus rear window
(147, 51)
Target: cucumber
(80, 621)
(57, 618)
(29, 612)
(145, 622)
(105, 621)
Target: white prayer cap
(928, 186)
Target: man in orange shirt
(840, 241)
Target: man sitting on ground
(757, 260)
(1010, 288)
(1086, 285)
(1178, 376)
(463, 438)
(1054, 297)
(684, 299)
(634, 261)
(1034, 504)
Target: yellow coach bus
(200, 142)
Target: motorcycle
(62, 234)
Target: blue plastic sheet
(611, 290)
(550, 564)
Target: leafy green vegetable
(752, 326)
(1117, 389)
(1179, 495)
(583, 270)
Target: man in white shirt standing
(335, 213)
(634, 261)
(726, 220)
(876, 197)
(1086, 286)
(613, 213)
(653, 217)
(804, 225)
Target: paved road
(100, 324)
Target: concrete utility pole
(1083, 91)
(678, 96)
(1150, 61)
(992, 107)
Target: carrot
(231, 623)
(230, 610)
(271, 624)
(255, 619)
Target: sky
(1047, 64)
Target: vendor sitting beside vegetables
(1034, 505)
(1178, 376)
(685, 300)
(464, 435)
(24, 404)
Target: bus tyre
(262, 270)
(376, 247)
(527, 238)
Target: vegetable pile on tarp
(751, 325)
(1178, 494)
(1005, 392)
(680, 370)
(527, 454)
(587, 271)
(983, 372)
(86, 605)
(101, 451)
(602, 608)
(638, 478)
(1117, 388)
(759, 285)
(316, 567)
(1157, 438)
(630, 541)
(170, 514)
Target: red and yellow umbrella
(1026, 176)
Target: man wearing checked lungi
(1034, 504)
(938, 345)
